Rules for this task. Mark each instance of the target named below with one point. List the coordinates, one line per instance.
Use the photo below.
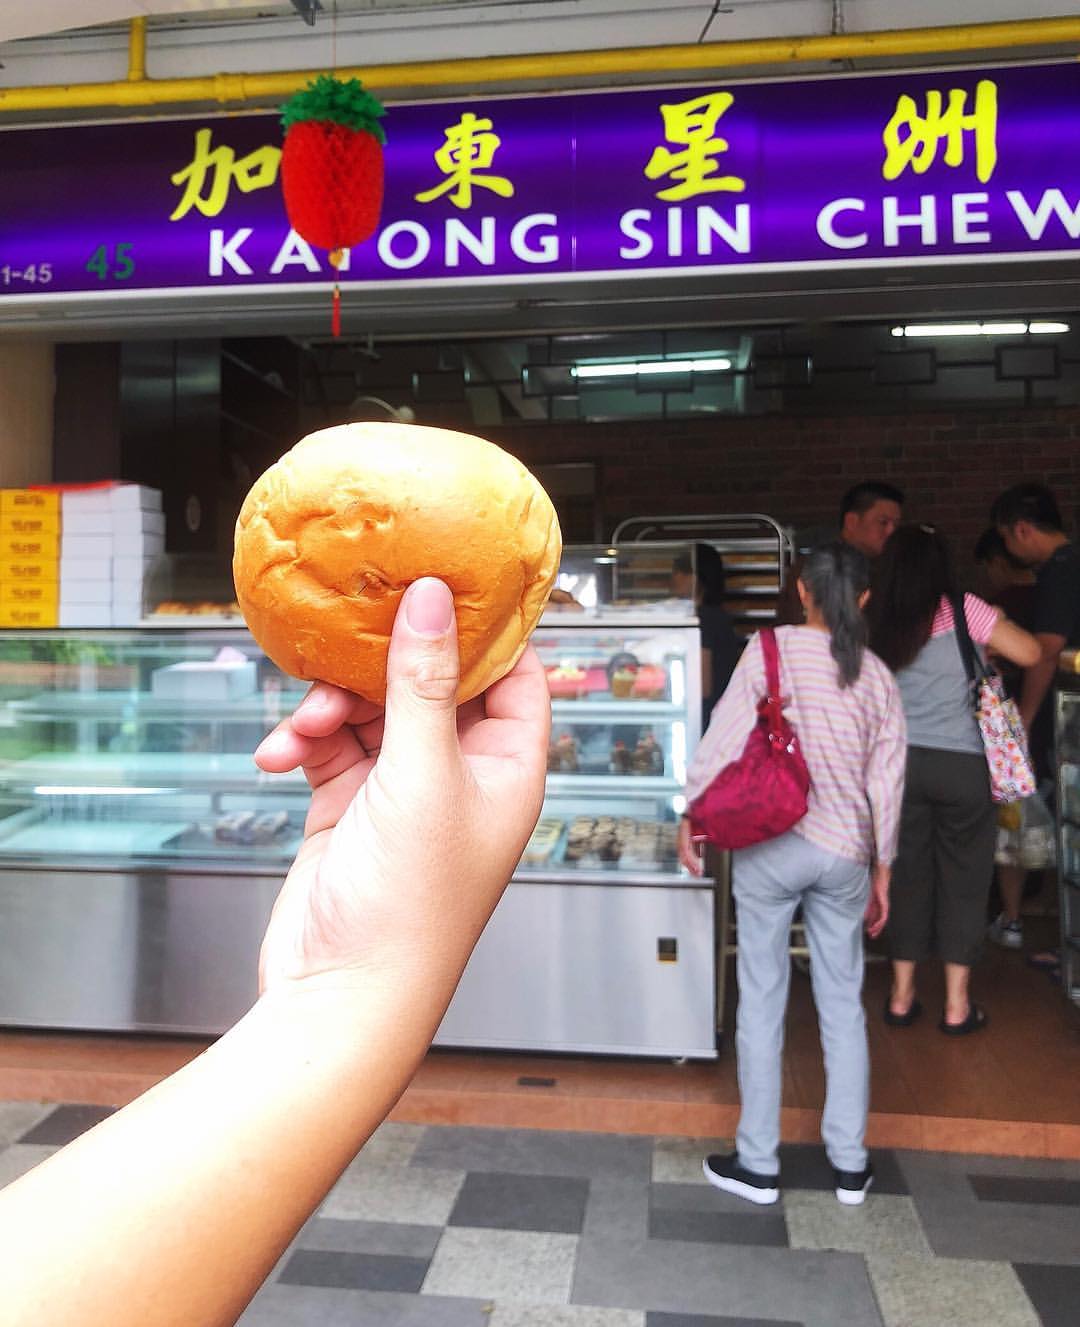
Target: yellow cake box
(29, 615)
(29, 502)
(45, 593)
(23, 547)
(29, 522)
(29, 570)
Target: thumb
(422, 673)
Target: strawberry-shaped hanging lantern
(332, 165)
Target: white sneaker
(1007, 934)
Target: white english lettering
(892, 220)
(224, 251)
(459, 237)
(826, 224)
(545, 248)
(631, 225)
(421, 245)
(1052, 203)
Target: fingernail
(429, 607)
(314, 701)
(270, 744)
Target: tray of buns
(614, 842)
(239, 832)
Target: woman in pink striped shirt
(845, 707)
(948, 826)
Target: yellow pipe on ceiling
(487, 71)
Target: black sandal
(975, 1022)
(902, 1020)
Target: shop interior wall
(130, 410)
(26, 412)
(951, 464)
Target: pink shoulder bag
(762, 794)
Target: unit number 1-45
(33, 274)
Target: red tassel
(335, 312)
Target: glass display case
(1067, 747)
(134, 747)
(141, 849)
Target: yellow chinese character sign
(212, 171)
(945, 123)
(691, 126)
(468, 151)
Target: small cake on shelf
(622, 682)
(566, 683)
(620, 759)
(650, 683)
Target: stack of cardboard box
(29, 558)
(110, 535)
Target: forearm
(1037, 682)
(230, 1155)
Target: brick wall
(951, 465)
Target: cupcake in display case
(650, 683)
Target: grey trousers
(770, 881)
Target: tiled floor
(1013, 1090)
(437, 1226)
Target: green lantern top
(334, 99)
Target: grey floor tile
(393, 1144)
(536, 1152)
(678, 1160)
(1054, 1291)
(17, 1159)
(718, 1228)
(815, 1289)
(706, 1198)
(311, 1306)
(570, 1315)
(354, 1271)
(65, 1123)
(409, 1241)
(1016, 1189)
(917, 1292)
(498, 1201)
(805, 1166)
(523, 1267)
(394, 1193)
(959, 1225)
(698, 1320)
(19, 1117)
(885, 1223)
(618, 1208)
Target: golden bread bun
(330, 537)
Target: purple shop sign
(947, 166)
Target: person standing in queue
(703, 580)
(948, 825)
(836, 861)
(869, 513)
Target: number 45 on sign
(111, 262)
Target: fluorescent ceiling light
(94, 790)
(978, 329)
(631, 368)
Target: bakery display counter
(603, 944)
(141, 849)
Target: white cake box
(85, 569)
(131, 570)
(86, 546)
(134, 497)
(99, 521)
(85, 592)
(136, 521)
(204, 680)
(86, 615)
(137, 543)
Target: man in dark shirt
(1029, 521)
(869, 513)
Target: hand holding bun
(331, 536)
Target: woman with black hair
(835, 862)
(947, 827)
